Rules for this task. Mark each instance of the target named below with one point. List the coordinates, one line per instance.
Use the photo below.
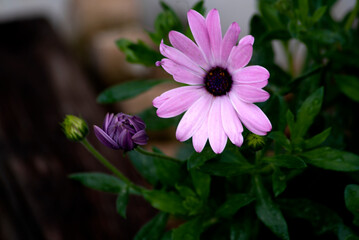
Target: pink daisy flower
(222, 90)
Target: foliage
(266, 193)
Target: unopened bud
(75, 128)
(122, 131)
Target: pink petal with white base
(232, 126)
(181, 74)
(216, 134)
(158, 101)
(179, 58)
(250, 94)
(194, 118)
(215, 34)
(229, 41)
(198, 27)
(239, 57)
(176, 105)
(188, 47)
(251, 116)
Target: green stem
(111, 167)
(158, 155)
(352, 16)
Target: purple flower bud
(122, 131)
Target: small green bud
(255, 142)
(75, 128)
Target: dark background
(41, 82)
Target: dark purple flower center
(218, 81)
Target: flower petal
(188, 47)
(140, 138)
(180, 73)
(125, 140)
(249, 39)
(198, 27)
(158, 101)
(104, 138)
(239, 57)
(250, 94)
(200, 137)
(229, 41)
(232, 126)
(216, 134)
(137, 122)
(251, 115)
(179, 57)
(108, 120)
(256, 84)
(177, 104)
(251, 74)
(213, 23)
(194, 118)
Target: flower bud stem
(158, 155)
(112, 168)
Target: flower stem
(112, 168)
(158, 155)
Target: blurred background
(55, 58)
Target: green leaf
(270, 15)
(317, 139)
(155, 123)
(303, 9)
(201, 183)
(169, 202)
(153, 230)
(290, 121)
(321, 218)
(190, 230)
(246, 228)
(279, 181)
(318, 14)
(308, 73)
(155, 169)
(226, 169)
(230, 163)
(167, 235)
(276, 107)
(193, 205)
(286, 160)
(349, 85)
(268, 212)
(281, 139)
(198, 159)
(199, 7)
(279, 34)
(165, 22)
(100, 181)
(127, 90)
(185, 191)
(121, 202)
(233, 204)
(332, 159)
(138, 52)
(324, 36)
(307, 112)
(351, 196)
